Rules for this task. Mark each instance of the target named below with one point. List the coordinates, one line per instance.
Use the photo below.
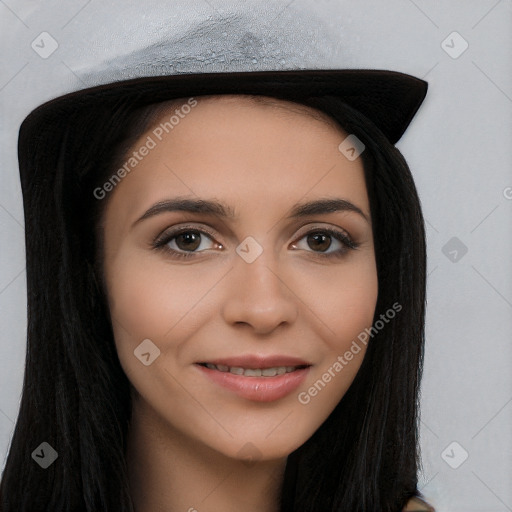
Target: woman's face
(248, 273)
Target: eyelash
(161, 242)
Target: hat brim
(390, 99)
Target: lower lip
(258, 389)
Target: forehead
(249, 152)
(254, 101)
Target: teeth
(252, 372)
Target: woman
(226, 296)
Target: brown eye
(327, 242)
(188, 241)
(185, 242)
(319, 242)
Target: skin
(187, 437)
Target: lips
(255, 377)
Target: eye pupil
(188, 238)
(323, 245)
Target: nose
(258, 296)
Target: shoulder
(417, 505)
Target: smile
(253, 372)
(255, 384)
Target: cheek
(344, 301)
(135, 301)
(343, 298)
(148, 301)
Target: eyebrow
(212, 207)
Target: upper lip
(258, 361)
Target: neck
(169, 471)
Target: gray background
(459, 148)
